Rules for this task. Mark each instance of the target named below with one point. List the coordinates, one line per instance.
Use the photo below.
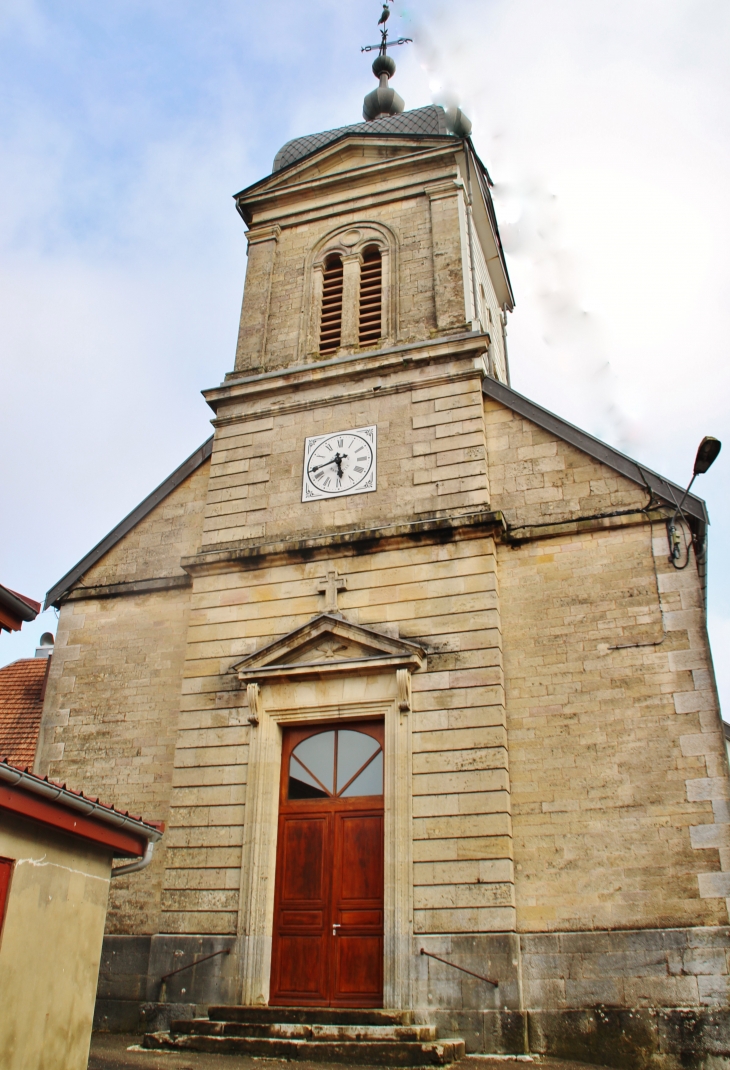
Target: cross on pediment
(330, 586)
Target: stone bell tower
(348, 510)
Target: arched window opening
(330, 332)
(339, 763)
(371, 296)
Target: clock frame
(339, 464)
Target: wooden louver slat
(330, 331)
(371, 287)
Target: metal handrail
(223, 951)
(462, 968)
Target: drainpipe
(133, 867)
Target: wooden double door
(328, 904)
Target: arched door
(328, 905)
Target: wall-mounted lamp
(707, 452)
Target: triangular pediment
(349, 153)
(328, 643)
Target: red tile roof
(22, 688)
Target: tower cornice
(254, 390)
(278, 188)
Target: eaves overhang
(484, 184)
(16, 609)
(655, 484)
(145, 507)
(53, 805)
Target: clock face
(340, 463)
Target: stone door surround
(287, 683)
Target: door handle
(334, 927)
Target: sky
(125, 128)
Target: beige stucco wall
(50, 946)
(113, 697)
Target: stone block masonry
(112, 701)
(463, 873)
(558, 803)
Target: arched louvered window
(330, 331)
(371, 296)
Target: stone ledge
(434, 529)
(116, 590)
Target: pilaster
(448, 254)
(251, 346)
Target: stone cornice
(520, 533)
(116, 590)
(445, 528)
(358, 365)
(274, 189)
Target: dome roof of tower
(425, 122)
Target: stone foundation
(630, 999)
(131, 995)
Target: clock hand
(318, 466)
(337, 459)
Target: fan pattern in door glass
(337, 763)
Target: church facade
(400, 657)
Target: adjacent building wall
(50, 946)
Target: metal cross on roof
(383, 46)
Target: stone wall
(113, 695)
(154, 547)
(441, 595)
(431, 450)
(537, 478)
(601, 813)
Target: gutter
(55, 793)
(18, 606)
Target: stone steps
(315, 1034)
(311, 1015)
(304, 1031)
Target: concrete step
(310, 1015)
(304, 1030)
(346, 1052)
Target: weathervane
(383, 46)
(383, 101)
